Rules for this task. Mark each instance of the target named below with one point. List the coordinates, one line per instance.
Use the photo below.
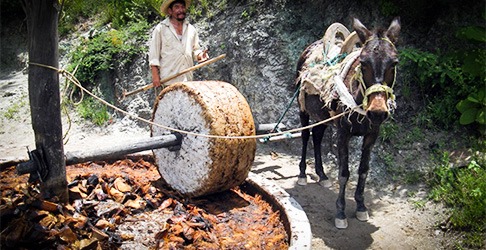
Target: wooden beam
(119, 151)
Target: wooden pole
(200, 65)
(118, 151)
(44, 94)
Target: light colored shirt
(173, 53)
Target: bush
(463, 190)
(102, 53)
(117, 12)
(445, 79)
(108, 49)
(473, 110)
(114, 41)
(94, 111)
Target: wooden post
(42, 22)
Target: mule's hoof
(341, 223)
(362, 216)
(325, 183)
(302, 181)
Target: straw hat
(167, 3)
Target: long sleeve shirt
(173, 53)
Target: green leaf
(465, 105)
(474, 33)
(481, 95)
(472, 98)
(473, 62)
(481, 117)
(468, 116)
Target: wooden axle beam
(117, 151)
(120, 150)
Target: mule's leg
(317, 134)
(304, 120)
(364, 166)
(343, 151)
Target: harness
(319, 77)
(383, 87)
(366, 92)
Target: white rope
(73, 79)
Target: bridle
(375, 88)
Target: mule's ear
(394, 30)
(361, 30)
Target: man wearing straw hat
(174, 45)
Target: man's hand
(155, 76)
(203, 56)
(156, 82)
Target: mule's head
(378, 61)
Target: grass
(94, 111)
(463, 191)
(14, 109)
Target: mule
(377, 63)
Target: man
(174, 45)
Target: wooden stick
(149, 86)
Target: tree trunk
(42, 22)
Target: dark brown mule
(377, 61)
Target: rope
(330, 62)
(383, 39)
(287, 109)
(73, 79)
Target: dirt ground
(398, 220)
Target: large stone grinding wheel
(204, 165)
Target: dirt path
(399, 217)
(395, 222)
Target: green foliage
(472, 33)
(388, 8)
(122, 12)
(388, 131)
(116, 12)
(413, 176)
(121, 27)
(410, 136)
(445, 79)
(464, 191)
(93, 110)
(15, 108)
(245, 15)
(108, 49)
(419, 204)
(12, 111)
(473, 110)
(205, 8)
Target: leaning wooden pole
(42, 22)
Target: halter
(383, 39)
(383, 87)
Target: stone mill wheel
(204, 165)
